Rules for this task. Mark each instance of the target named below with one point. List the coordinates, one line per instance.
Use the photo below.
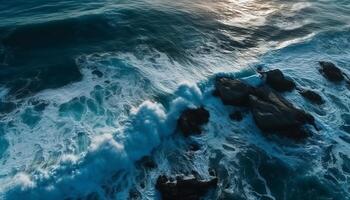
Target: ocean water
(88, 88)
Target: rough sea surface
(88, 88)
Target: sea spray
(108, 154)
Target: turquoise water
(88, 88)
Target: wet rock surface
(312, 96)
(330, 71)
(191, 120)
(233, 92)
(276, 80)
(271, 112)
(184, 188)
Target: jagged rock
(191, 120)
(184, 188)
(330, 71)
(312, 96)
(276, 80)
(236, 116)
(271, 112)
(233, 92)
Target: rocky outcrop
(273, 113)
(276, 80)
(184, 188)
(312, 96)
(330, 71)
(191, 120)
(232, 91)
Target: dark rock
(276, 80)
(312, 96)
(233, 92)
(331, 72)
(236, 116)
(184, 188)
(295, 133)
(271, 112)
(191, 120)
(97, 72)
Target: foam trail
(108, 154)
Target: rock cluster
(271, 112)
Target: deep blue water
(88, 88)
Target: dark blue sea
(90, 87)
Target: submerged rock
(271, 112)
(276, 80)
(233, 92)
(191, 120)
(330, 71)
(184, 188)
(312, 96)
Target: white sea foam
(149, 124)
